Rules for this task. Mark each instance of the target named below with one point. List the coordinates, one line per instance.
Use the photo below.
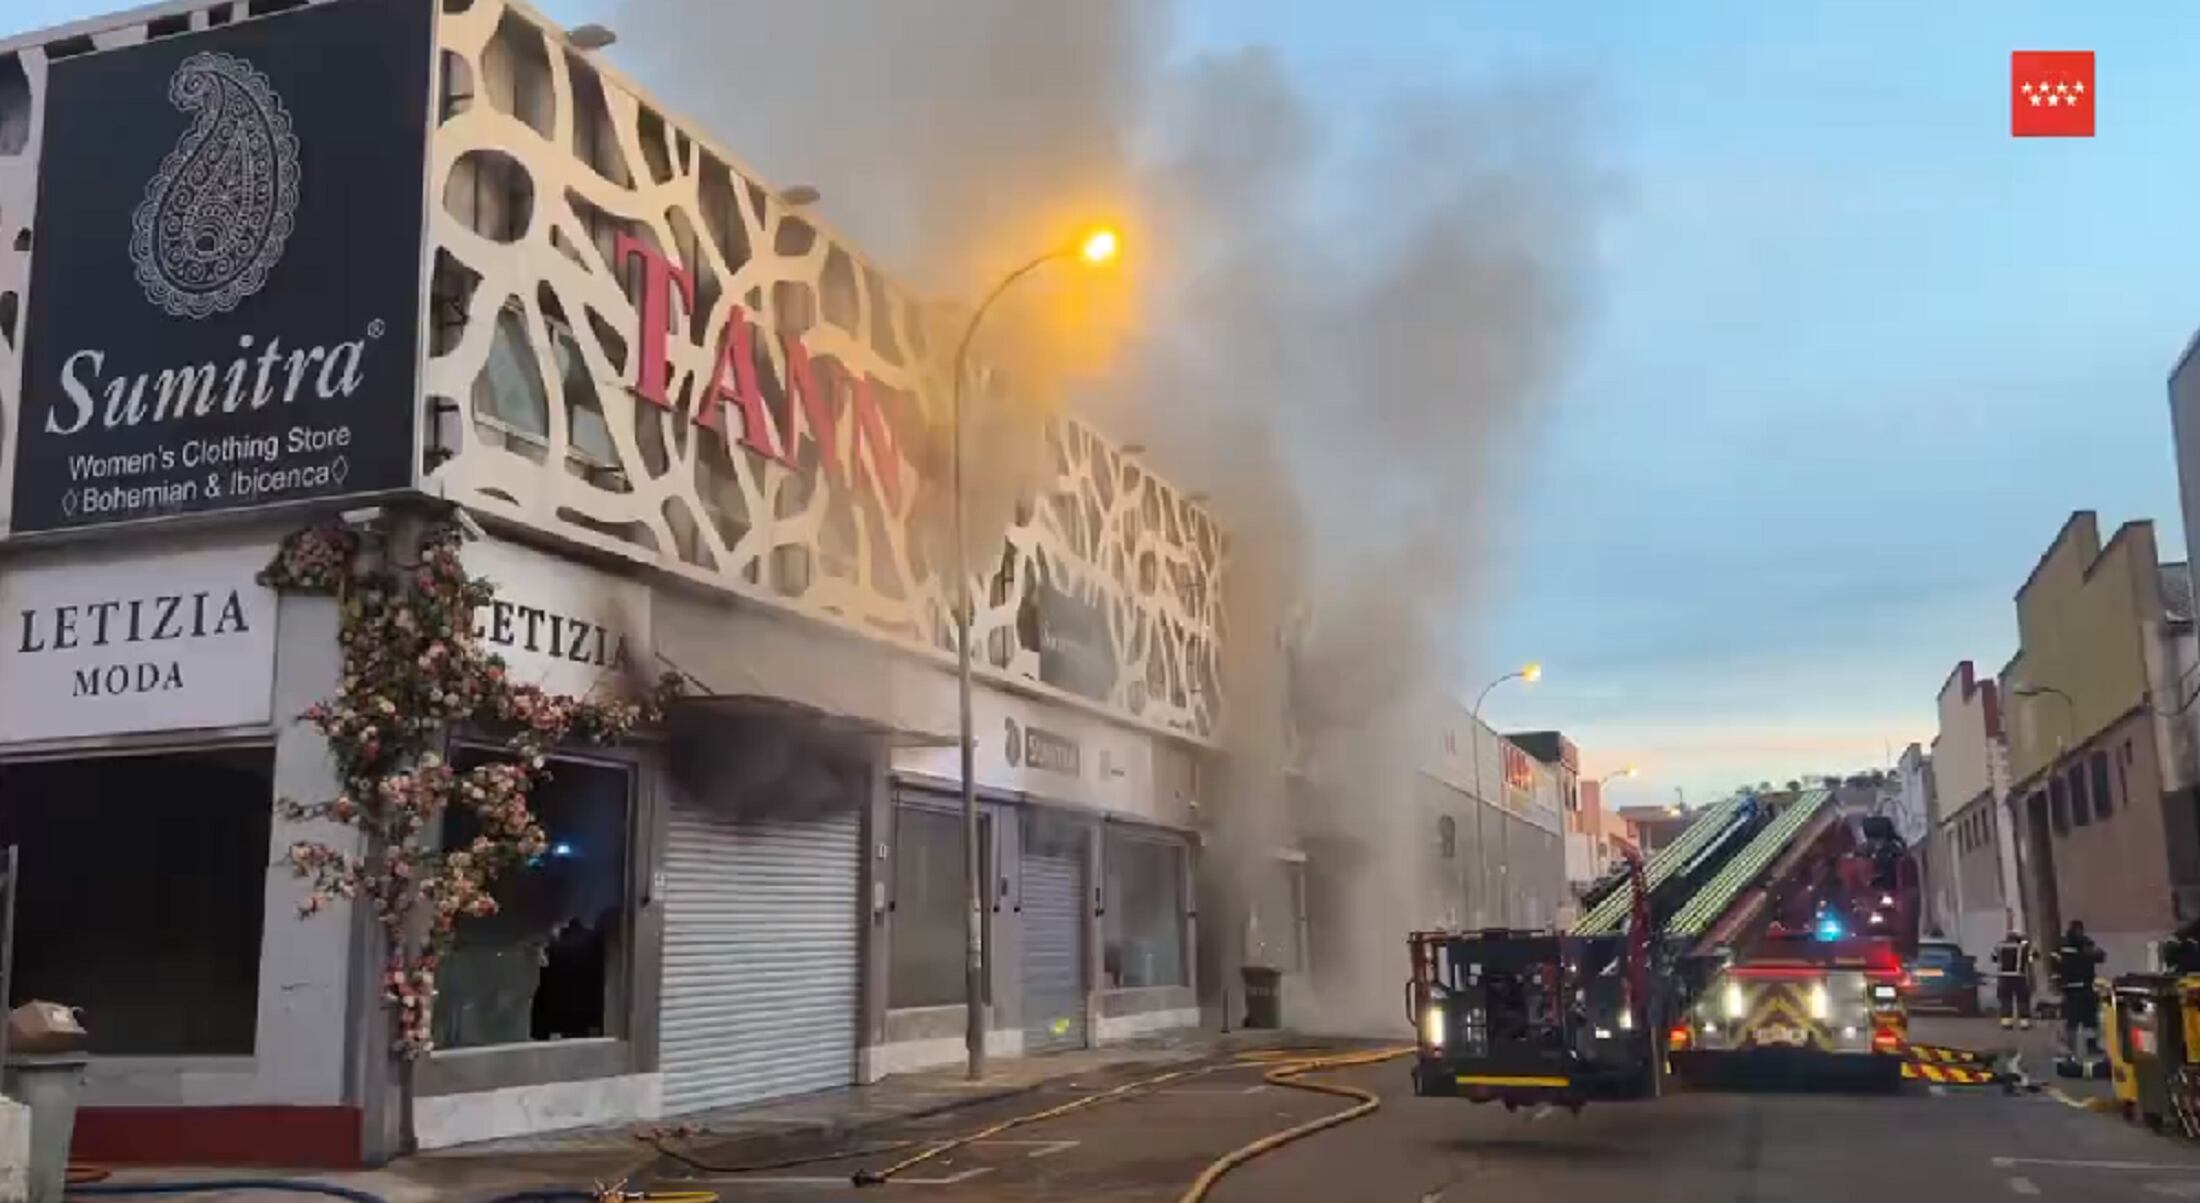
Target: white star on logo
(2035, 101)
(2052, 101)
(2078, 87)
(2028, 88)
(2062, 87)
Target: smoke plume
(1343, 316)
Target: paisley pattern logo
(215, 218)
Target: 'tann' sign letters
(826, 392)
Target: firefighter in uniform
(2013, 979)
(2077, 962)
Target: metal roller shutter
(1054, 950)
(761, 968)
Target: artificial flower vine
(412, 668)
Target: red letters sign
(826, 391)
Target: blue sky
(1855, 353)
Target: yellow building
(2099, 792)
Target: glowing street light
(1098, 246)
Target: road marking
(2003, 1163)
(2175, 1190)
(2059, 1095)
(1051, 1147)
(1542, 1112)
(1937, 1090)
(2024, 1186)
(1255, 1088)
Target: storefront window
(143, 890)
(549, 964)
(928, 936)
(1145, 912)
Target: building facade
(1972, 849)
(2100, 775)
(1506, 867)
(696, 431)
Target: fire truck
(1768, 939)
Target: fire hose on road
(1289, 1075)
(1283, 1075)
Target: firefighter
(2013, 979)
(2077, 962)
(2181, 953)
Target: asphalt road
(1949, 1145)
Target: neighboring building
(1972, 849)
(1651, 828)
(2107, 831)
(1586, 853)
(1591, 841)
(1507, 865)
(1912, 795)
(696, 426)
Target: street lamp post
(1098, 247)
(1530, 673)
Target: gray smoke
(1344, 315)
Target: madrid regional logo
(216, 216)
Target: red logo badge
(2051, 93)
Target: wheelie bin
(2151, 1030)
(2118, 1046)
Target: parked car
(1944, 977)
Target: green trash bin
(2150, 1028)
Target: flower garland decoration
(412, 668)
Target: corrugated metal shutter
(1054, 950)
(761, 977)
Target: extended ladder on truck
(1651, 974)
(1797, 952)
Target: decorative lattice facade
(636, 346)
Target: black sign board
(1076, 652)
(226, 286)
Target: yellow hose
(1288, 1075)
(873, 1178)
(1282, 1075)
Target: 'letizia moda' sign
(163, 643)
(225, 291)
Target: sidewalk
(789, 1127)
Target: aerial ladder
(1771, 931)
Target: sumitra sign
(225, 292)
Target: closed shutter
(760, 992)
(1054, 950)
